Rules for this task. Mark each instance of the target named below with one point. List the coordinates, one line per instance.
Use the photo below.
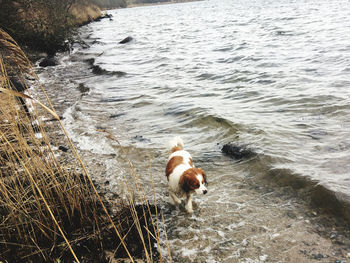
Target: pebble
(318, 256)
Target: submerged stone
(48, 62)
(96, 69)
(126, 40)
(19, 84)
(83, 89)
(237, 152)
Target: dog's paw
(175, 202)
(189, 210)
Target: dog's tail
(176, 144)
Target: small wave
(182, 109)
(317, 195)
(213, 128)
(205, 76)
(223, 49)
(231, 59)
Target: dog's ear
(184, 183)
(203, 174)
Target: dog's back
(178, 157)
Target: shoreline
(326, 232)
(160, 3)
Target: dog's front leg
(174, 199)
(188, 205)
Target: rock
(83, 89)
(140, 138)
(96, 69)
(90, 61)
(126, 40)
(112, 116)
(104, 16)
(63, 148)
(118, 73)
(19, 84)
(238, 152)
(48, 62)
(107, 16)
(318, 256)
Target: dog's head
(194, 180)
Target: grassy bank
(46, 25)
(50, 210)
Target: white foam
(84, 134)
(188, 252)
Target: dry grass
(50, 209)
(84, 13)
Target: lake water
(272, 76)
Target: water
(271, 75)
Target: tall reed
(50, 209)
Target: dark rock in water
(126, 40)
(237, 151)
(107, 16)
(98, 127)
(90, 61)
(63, 148)
(118, 73)
(96, 69)
(117, 115)
(48, 62)
(104, 16)
(140, 138)
(19, 84)
(83, 89)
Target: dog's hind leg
(188, 205)
(174, 199)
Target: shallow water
(270, 75)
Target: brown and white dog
(183, 178)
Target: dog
(183, 178)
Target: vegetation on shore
(50, 210)
(46, 25)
